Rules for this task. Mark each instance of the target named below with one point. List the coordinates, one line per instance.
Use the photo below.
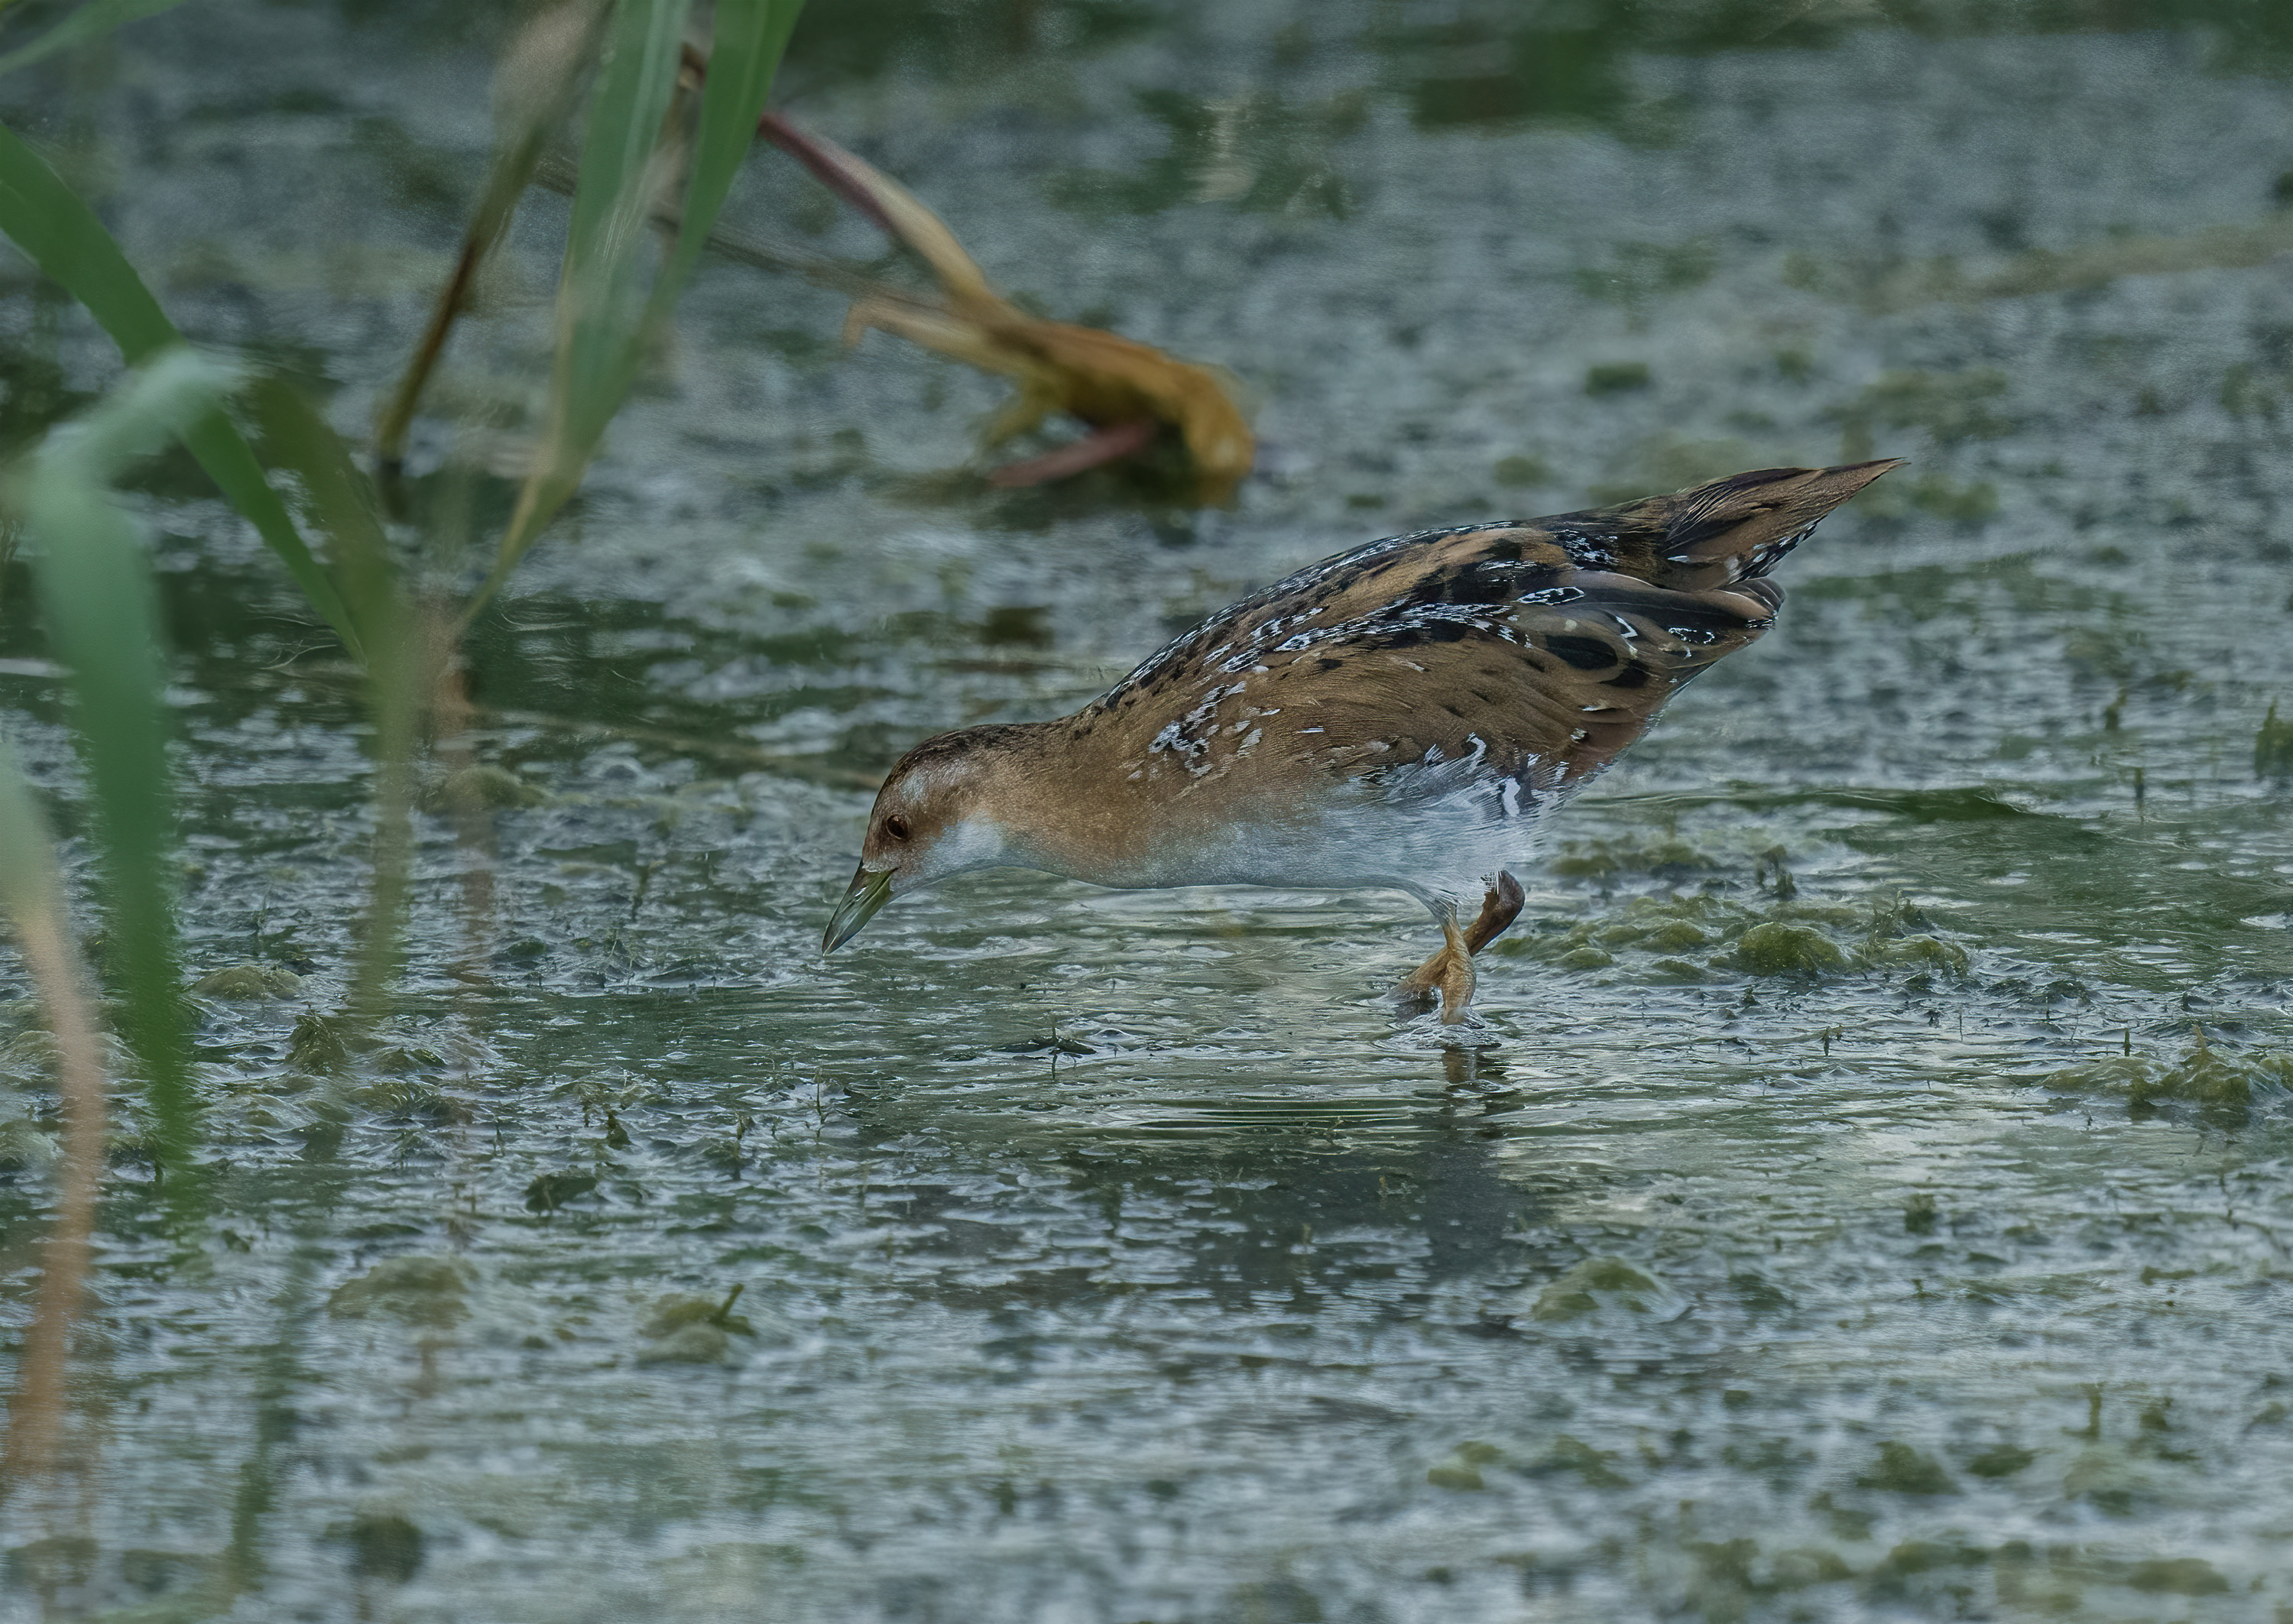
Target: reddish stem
(1093, 450)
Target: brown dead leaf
(1111, 383)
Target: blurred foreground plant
(97, 599)
(32, 906)
(92, 567)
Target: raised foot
(1499, 909)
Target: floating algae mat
(1871, 1195)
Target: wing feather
(1529, 654)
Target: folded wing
(1514, 660)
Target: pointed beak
(870, 891)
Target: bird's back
(1489, 669)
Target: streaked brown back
(1539, 651)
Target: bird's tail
(1713, 535)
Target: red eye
(896, 827)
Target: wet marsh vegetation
(1871, 1195)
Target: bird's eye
(896, 827)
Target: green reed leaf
(601, 292)
(751, 35)
(93, 579)
(533, 91)
(400, 663)
(62, 235)
(96, 17)
(605, 309)
(28, 857)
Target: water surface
(1122, 1257)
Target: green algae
(2205, 1076)
(22, 1143)
(1522, 472)
(482, 787)
(1615, 377)
(1594, 1467)
(416, 1290)
(2001, 1461)
(318, 1044)
(2177, 1576)
(1462, 1470)
(1806, 1565)
(673, 1313)
(403, 1095)
(383, 1545)
(248, 982)
(689, 1330)
(2107, 1478)
(548, 1192)
(1585, 958)
(1778, 949)
(693, 1344)
(1924, 952)
(1594, 1284)
(1901, 1469)
(1638, 272)
(1951, 406)
(1790, 937)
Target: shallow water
(1928, 1254)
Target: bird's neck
(1057, 801)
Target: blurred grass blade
(533, 91)
(402, 657)
(61, 233)
(95, 18)
(340, 503)
(32, 903)
(604, 315)
(101, 613)
(601, 301)
(750, 36)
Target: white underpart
(969, 843)
(1437, 828)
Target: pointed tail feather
(1747, 521)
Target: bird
(1407, 714)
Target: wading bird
(1404, 715)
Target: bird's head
(933, 817)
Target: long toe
(1499, 909)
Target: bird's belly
(1438, 850)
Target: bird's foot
(1499, 908)
(1449, 973)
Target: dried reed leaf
(1108, 380)
(32, 902)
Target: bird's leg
(1450, 971)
